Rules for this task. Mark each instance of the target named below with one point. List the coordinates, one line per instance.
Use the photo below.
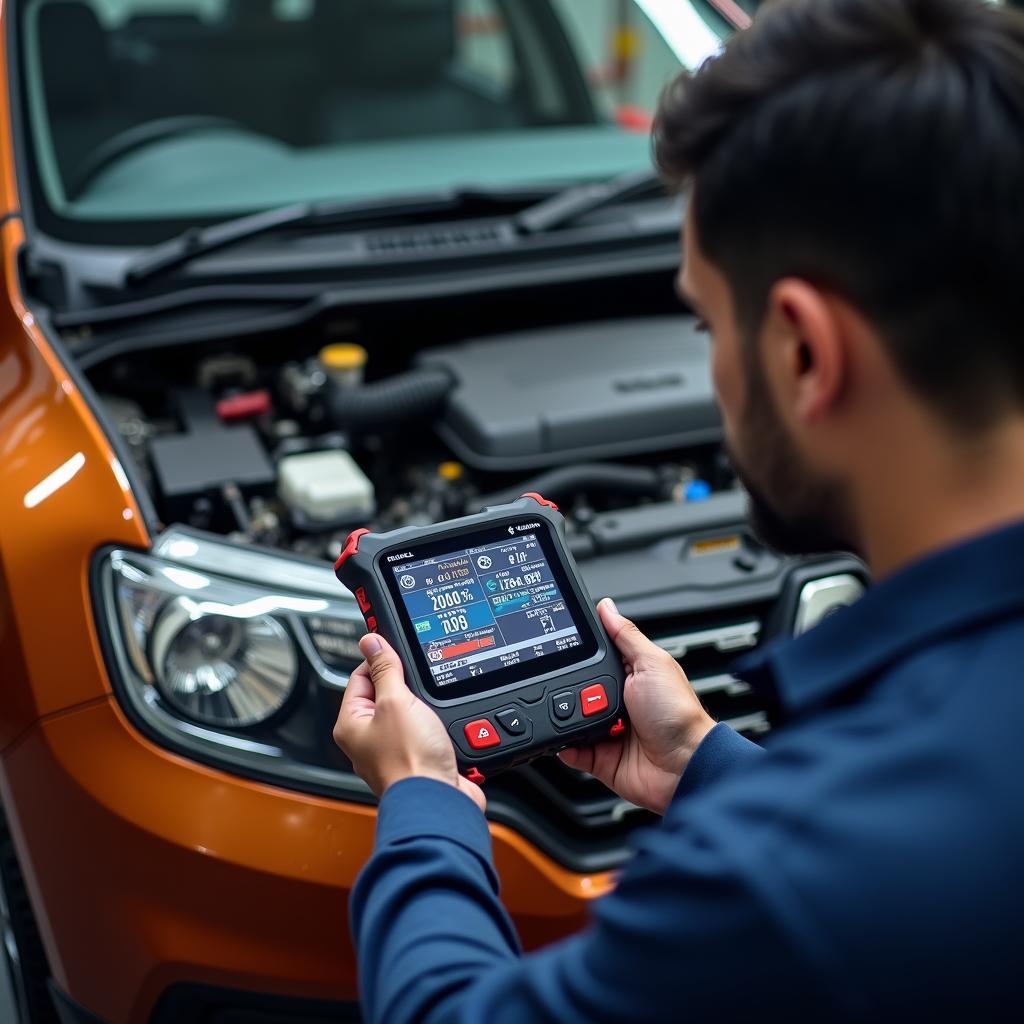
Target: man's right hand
(666, 718)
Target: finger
(357, 707)
(359, 698)
(580, 758)
(362, 669)
(473, 791)
(385, 669)
(360, 686)
(608, 756)
(632, 644)
(601, 760)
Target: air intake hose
(602, 477)
(389, 402)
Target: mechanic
(854, 242)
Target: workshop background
(625, 58)
(277, 270)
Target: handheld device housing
(495, 629)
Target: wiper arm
(195, 242)
(579, 200)
(557, 211)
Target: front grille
(578, 820)
(568, 814)
(705, 653)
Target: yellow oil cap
(343, 356)
(450, 471)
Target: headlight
(233, 656)
(223, 669)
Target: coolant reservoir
(325, 486)
(344, 364)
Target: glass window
(190, 109)
(484, 50)
(627, 59)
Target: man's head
(855, 239)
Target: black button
(563, 705)
(511, 721)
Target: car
(275, 270)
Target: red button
(481, 734)
(617, 729)
(364, 604)
(593, 699)
(371, 623)
(477, 776)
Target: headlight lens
(222, 669)
(231, 655)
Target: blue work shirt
(865, 865)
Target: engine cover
(593, 391)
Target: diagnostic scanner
(495, 629)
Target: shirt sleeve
(425, 909)
(722, 750)
(682, 935)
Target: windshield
(178, 110)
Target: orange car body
(143, 868)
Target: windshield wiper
(559, 210)
(580, 200)
(195, 242)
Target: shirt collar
(942, 593)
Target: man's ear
(806, 352)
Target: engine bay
(295, 450)
(259, 454)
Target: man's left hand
(388, 733)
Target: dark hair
(875, 147)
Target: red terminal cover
(541, 500)
(351, 547)
(243, 406)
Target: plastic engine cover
(593, 391)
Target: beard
(793, 509)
